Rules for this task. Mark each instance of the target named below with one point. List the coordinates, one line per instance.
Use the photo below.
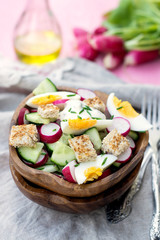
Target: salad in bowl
(75, 135)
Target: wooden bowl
(59, 185)
(63, 203)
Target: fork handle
(155, 226)
(121, 209)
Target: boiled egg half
(89, 171)
(50, 97)
(78, 126)
(119, 108)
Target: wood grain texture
(63, 203)
(59, 185)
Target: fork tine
(143, 105)
(154, 115)
(149, 109)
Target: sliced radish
(50, 133)
(43, 158)
(33, 110)
(124, 157)
(60, 103)
(106, 173)
(122, 125)
(69, 172)
(85, 93)
(21, 116)
(132, 143)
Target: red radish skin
(132, 143)
(113, 60)
(122, 125)
(69, 172)
(86, 51)
(79, 32)
(106, 173)
(124, 157)
(136, 57)
(33, 110)
(99, 30)
(103, 43)
(85, 93)
(40, 162)
(21, 116)
(60, 103)
(50, 133)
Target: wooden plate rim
(60, 185)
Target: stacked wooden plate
(51, 191)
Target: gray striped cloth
(22, 219)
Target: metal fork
(153, 116)
(121, 208)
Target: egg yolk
(45, 99)
(77, 124)
(125, 108)
(92, 173)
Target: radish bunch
(111, 48)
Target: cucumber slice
(45, 86)
(48, 168)
(62, 154)
(31, 154)
(64, 139)
(116, 164)
(133, 135)
(103, 134)
(49, 162)
(94, 137)
(36, 118)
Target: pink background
(73, 13)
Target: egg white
(100, 125)
(79, 170)
(139, 123)
(60, 93)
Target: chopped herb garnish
(71, 95)
(88, 112)
(72, 135)
(87, 108)
(43, 153)
(54, 130)
(119, 108)
(79, 117)
(112, 117)
(49, 96)
(104, 161)
(81, 111)
(70, 110)
(77, 165)
(96, 118)
(66, 162)
(64, 120)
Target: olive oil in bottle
(37, 38)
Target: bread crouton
(115, 143)
(23, 135)
(96, 103)
(83, 148)
(48, 111)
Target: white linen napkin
(22, 219)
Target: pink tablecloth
(71, 13)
